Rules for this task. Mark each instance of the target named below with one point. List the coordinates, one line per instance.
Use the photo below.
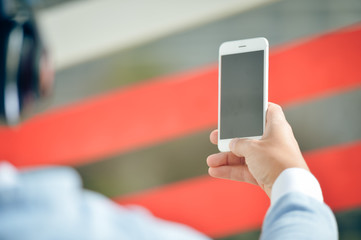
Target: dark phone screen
(242, 95)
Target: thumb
(240, 146)
(275, 120)
(275, 113)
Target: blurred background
(135, 99)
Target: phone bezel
(242, 46)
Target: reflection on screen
(242, 95)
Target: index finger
(214, 137)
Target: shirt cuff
(296, 180)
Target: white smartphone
(243, 90)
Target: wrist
(284, 167)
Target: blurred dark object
(25, 71)
(42, 4)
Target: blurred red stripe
(221, 208)
(176, 105)
(324, 65)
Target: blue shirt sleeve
(299, 216)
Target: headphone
(21, 56)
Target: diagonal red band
(221, 208)
(176, 105)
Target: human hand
(259, 162)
